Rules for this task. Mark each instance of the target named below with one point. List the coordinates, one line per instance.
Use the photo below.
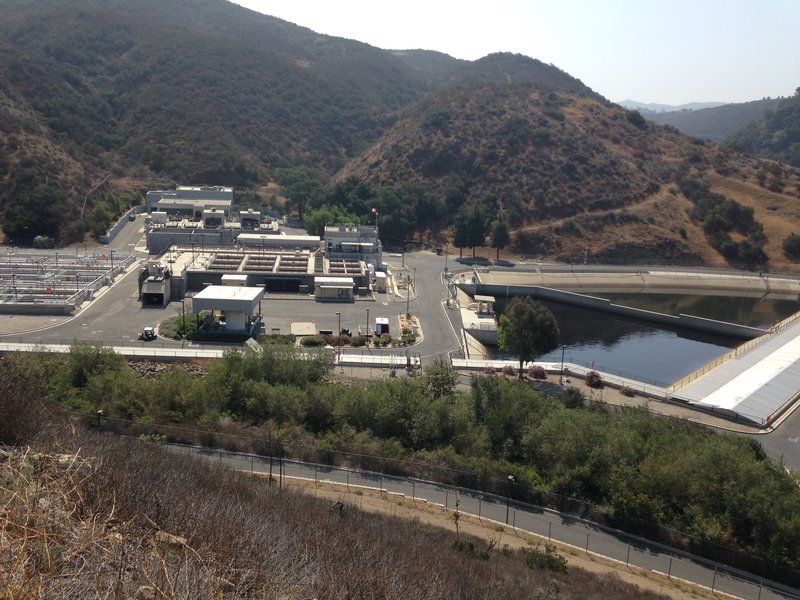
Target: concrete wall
(601, 304)
(119, 225)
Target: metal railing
(556, 526)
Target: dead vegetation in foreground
(102, 517)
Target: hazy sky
(665, 51)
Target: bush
(594, 379)
(537, 372)
(574, 398)
(536, 558)
(791, 246)
(313, 341)
(509, 370)
(358, 341)
(636, 119)
(627, 391)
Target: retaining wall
(601, 304)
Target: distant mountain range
(716, 124)
(204, 91)
(661, 108)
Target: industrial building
(190, 200)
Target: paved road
(519, 516)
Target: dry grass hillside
(104, 517)
(576, 177)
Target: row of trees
(471, 226)
(402, 211)
(647, 472)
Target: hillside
(193, 90)
(775, 136)
(87, 515)
(714, 123)
(574, 176)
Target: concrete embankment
(571, 288)
(644, 281)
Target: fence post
(549, 530)
(514, 519)
(669, 571)
(347, 478)
(446, 498)
(315, 477)
(628, 558)
(479, 508)
(714, 582)
(587, 542)
(413, 490)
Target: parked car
(148, 334)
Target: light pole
(508, 495)
(408, 293)
(112, 264)
(367, 322)
(339, 339)
(183, 318)
(445, 258)
(561, 379)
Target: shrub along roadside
(648, 473)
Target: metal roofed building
(756, 383)
(191, 198)
(236, 306)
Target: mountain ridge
(204, 91)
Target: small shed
(381, 325)
(237, 305)
(333, 289)
(380, 282)
(237, 280)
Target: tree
(300, 188)
(791, 246)
(500, 236)
(327, 215)
(527, 329)
(469, 228)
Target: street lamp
(561, 379)
(339, 339)
(508, 495)
(183, 318)
(112, 263)
(367, 322)
(408, 293)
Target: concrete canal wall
(601, 304)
